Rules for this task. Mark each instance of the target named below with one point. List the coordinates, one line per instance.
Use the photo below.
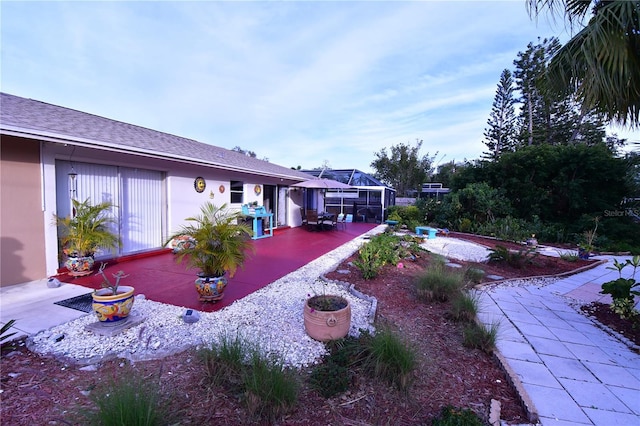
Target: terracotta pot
(79, 266)
(211, 289)
(324, 324)
(112, 308)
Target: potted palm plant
(84, 233)
(220, 244)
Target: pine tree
(548, 117)
(536, 100)
(500, 136)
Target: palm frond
(601, 63)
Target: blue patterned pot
(211, 289)
(112, 308)
(79, 266)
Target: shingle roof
(36, 119)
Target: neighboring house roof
(353, 177)
(42, 121)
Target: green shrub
(395, 216)
(330, 378)
(623, 290)
(568, 256)
(333, 375)
(506, 228)
(464, 307)
(130, 401)
(517, 259)
(480, 336)
(464, 224)
(381, 250)
(439, 282)
(369, 261)
(451, 416)
(390, 359)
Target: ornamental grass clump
(390, 359)
(440, 283)
(480, 336)
(474, 275)
(131, 400)
(224, 361)
(464, 306)
(268, 389)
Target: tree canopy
(555, 183)
(404, 169)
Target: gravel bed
(453, 248)
(270, 318)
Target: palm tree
(601, 63)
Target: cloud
(297, 82)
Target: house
(433, 190)
(367, 201)
(50, 154)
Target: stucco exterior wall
(182, 200)
(22, 252)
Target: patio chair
(341, 221)
(303, 214)
(329, 221)
(312, 219)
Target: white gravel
(453, 248)
(270, 318)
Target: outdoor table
(322, 217)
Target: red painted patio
(161, 279)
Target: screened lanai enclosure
(367, 201)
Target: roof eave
(65, 139)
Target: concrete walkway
(572, 371)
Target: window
(237, 192)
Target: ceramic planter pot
(111, 308)
(211, 289)
(79, 266)
(327, 317)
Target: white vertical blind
(142, 204)
(137, 193)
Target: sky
(300, 83)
